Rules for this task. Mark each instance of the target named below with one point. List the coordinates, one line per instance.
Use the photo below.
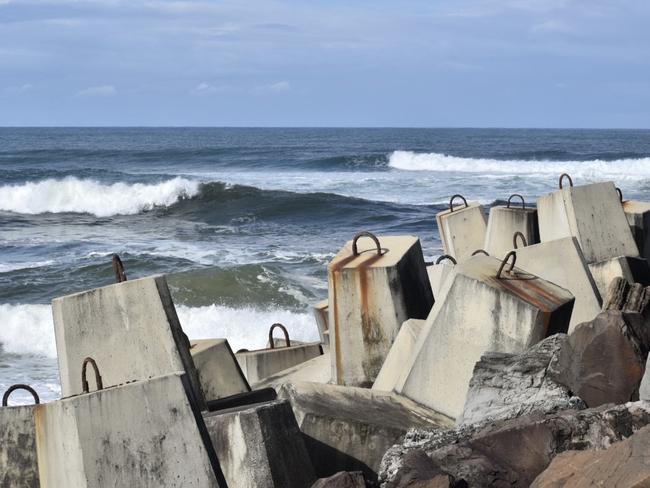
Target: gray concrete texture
(321, 314)
(438, 274)
(633, 270)
(218, 369)
(638, 216)
(18, 459)
(371, 295)
(316, 370)
(462, 230)
(260, 364)
(504, 222)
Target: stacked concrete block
(488, 308)
(321, 314)
(316, 370)
(631, 269)
(506, 221)
(438, 273)
(375, 284)
(401, 352)
(462, 228)
(638, 216)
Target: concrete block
(144, 434)
(218, 369)
(321, 313)
(131, 329)
(316, 370)
(592, 214)
(375, 284)
(561, 262)
(505, 221)
(462, 228)
(260, 446)
(633, 270)
(400, 353)
(486, 308)
(638, 216)
(350, 429)
(438, 273)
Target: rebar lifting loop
(511, 254)
(448, 257)
(620, 194)
(523, 202)
(522, 238)
(480, 251)
(98, 378)
(365, 233)
(284, 330)
(118, 269)
(564, 175)
(11, 389)
(451, 202)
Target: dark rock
(627, 297)
(419, 471)
(344, 479)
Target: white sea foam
(631, 169)
(89, 196)
(27, 329)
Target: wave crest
(76, 195)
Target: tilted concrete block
(561, 262)
(593, 215)
(633, 270)
(400, 353)
(462, 229)
(505, 221)
(260, 446)
(487, 308)
(438, 273)
(638, 216)
(219, 371)
(131, 329)
(321, 314)
(375, 284)
(316, 370)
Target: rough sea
(244, 221)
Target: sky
(434, 63)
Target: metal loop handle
(523, 202)
(520, 235)
(118, 269)
(448, 257)
(98, 378)
(480, 251)
(620, 194)
(284, 330)
(451, 202)
(511, 254)
(564, 175)
(365, 233)
(11, 389)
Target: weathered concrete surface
(317, 370)
(349, 429)
(399, 354)
(18, 461)
(502, 225)
(514, 452)
(219, 371)
(371, 295)
(581, 212)
(321, 314)
(260, 446)
(634, 270)
(638, 216)
(131, 330)
(144, 434)
(462, 231)
(625, 464)
(480, 313)
(438, 274)
(344, 479)
(505, 386)
(561, 262)
(260, 364)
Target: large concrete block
(485, 309)
(219, 371)
(462, 228)
(438, 273)
(561, 262)
(593, 215)
(633, 270)
(375, 284)
(507, 220)
(131, 329)
(400, 353)
(316, 370)
(638, 216)
(144, 434)
(321, 314)
(260, 446)
(350, 429)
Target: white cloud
(98, 91)
(279, 87)
(205, 88)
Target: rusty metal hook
(98, 378)
(365, 233)
(523, 202)
(480, 251)
(564, 175)
(523, 239)
(512, 254)
(118, 269)
(451, 202)
(11, 389)
(448, 257)
(284, 330)
(620, 194)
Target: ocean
(244, 221)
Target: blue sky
(436, 63)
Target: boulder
(627, 297)
(343, 479)
(419, 471)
